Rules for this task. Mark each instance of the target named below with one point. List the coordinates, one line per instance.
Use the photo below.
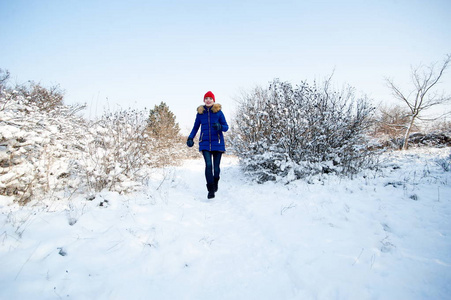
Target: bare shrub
(390, 122)
(45, 99)
(440, 126)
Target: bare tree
(423, 96)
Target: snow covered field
(385, 235)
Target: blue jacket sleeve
(223, 122)
(195, 127)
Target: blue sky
(139, 53)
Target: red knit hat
(210, 94)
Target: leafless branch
(424, 79)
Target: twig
(284, 209)
(28, 259)
(358, 257)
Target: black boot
(216, 184)
(211, 190)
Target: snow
(386, 234)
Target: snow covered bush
(45, 99)
(43, 152)
(286, 132)
(46, 148)
(38, 149)
(117, 151)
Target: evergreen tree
(164, 134)
(162, 124)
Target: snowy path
(386, 237)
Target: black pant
(209, 166)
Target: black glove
(217, 126)
(190, 142)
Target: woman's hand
(217, 126)
(190, 142)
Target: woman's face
(209, 101)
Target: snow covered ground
(385, 235)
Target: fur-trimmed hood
(215, 108)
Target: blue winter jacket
(210, 139)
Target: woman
(211, 141)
